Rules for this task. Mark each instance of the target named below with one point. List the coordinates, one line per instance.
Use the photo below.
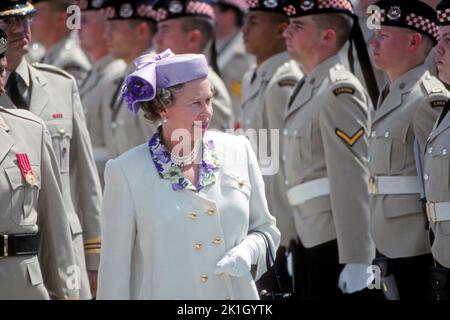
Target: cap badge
(394, 13)
(270, 3)
(126, 10)
(175, 6)
(306, 4)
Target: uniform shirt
(68, 55)
(437, 183)
(103, 73)
(54, 98)
(233, 63)
(30, 208)
(407, 113)
(325, 136)
(161, 243)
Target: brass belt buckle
(5, 246)
(373, 185)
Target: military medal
(25, 168)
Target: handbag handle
(270, 260)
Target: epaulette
(287, 82)
(341, 81)
(22, 113)
(52, 69)
(437, 93)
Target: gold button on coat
(192, 215)
(216, 240)
(198, 246)
(204, 278)
(210, 212)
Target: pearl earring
(164, 120)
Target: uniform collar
(22, 71)
(268, 67)
(3, 124)
(323, 69)
(404, 82)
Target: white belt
(393, 185)
(438, 211)
(308, 190)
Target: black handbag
(439, 283)
(269, 293)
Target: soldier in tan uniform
(33, 219)
(403, 119)
(436, 169)
(232, 60)
(325, 155)
(105, 68)
(50, 29)
(129, 31)
(187, 26)
(52, 94)
(265, 90)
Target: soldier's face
(170, 35)
(192, 108)
(443, 54)
(92, 30)
(302, 38)
(44, 21)
(120, 38)
(18, 30)
(257, 30)
(389, 47)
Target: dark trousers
(412, 276)
(316, 274)
(439, 282)
(268, 280)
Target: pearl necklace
(187, 159)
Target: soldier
(405, 114)
(33, 221)
(325, 147)
(52, 94)
(436, 164)
(129, 32)
(105, 68)
(232, 60)
(51, 30)
(188, 27)
(266, 87)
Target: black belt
(18, 245)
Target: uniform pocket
(24, 197)
(399, 151)
(314, 207)
(61, 136)
(34, 271)
(300, 145)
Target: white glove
(238, 260)
(355, 277)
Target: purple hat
(163, 70)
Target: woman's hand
(237, 261)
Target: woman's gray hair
(164, 98)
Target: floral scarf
(170, 171)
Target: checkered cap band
(423, 24)
(252, 3)
(196, 7)
(335, 4)
(444, 15)
(290, 10)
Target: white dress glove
(355, 277)
(238, 260)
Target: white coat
(151, 233)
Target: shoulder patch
(350, 140)
(438, 103)
(287, 83)
(342, 90)
(52, 69)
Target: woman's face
(191, 110)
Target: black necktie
(296, 91)
(444, 112)
(16, 95)
(383, 95)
